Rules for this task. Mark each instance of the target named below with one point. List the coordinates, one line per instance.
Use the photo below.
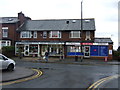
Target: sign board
(87, 43)
(100, 43)
(99, 50)
(72, 43)
(110, 52)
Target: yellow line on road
(96, 84)
(39, 73)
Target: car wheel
(10, 67)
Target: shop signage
(72, 43)
(99, 50)
(87, 43)
(94, 43)
(50, 43)
(100, 43)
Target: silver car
(6, 63)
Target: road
(67, 75)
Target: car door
(3, 62)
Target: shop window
(55, 34)
(19, 48)
(54, 50)
(75, 34)
(25, 34)
(33, 49)
(5, 31)
(74, 49)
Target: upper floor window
(5, 31)
(44, 34)
(75, 34)
(88, 35)
(35, 34)
(55, 34)
(25, 34)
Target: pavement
(71, 61)
(20, 72)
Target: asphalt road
(67, 75)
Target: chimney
(21, 17)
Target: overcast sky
(105, 12)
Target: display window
(73, 49)
(54, 50)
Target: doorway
(87, 51)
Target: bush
(116, 55)
(8, 51)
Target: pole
(81, 30)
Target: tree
(118, 49)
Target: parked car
(6, 63)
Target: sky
(105, 12)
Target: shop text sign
(87, 43)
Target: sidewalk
(70, 61)
(18, 73)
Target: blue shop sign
(74, 53)
(99, 51)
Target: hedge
(8, 51)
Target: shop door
(26, 50)
(87, 51)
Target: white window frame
(5, 43)
(88, 35)
(25, 34)
(58, 34)
(35, 34)
(72, 34)
(4, 34)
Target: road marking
(99, 82)
(39, 73)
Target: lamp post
(81, 31)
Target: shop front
(27, 48)
(61, 49)
(89, 50)
(37, 49)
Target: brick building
(8, 26)
(60, 37)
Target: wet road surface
(66, 75)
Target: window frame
(4, 34)
(44, 34)
(35, 34)
(58, 34)
(87, 33)
(25, 34)
(73, 32)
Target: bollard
(76, 58)
(106, 59)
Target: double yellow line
(96, 84)
(39, 73)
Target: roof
(58, 24)
(8, 19)
(103, 40)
